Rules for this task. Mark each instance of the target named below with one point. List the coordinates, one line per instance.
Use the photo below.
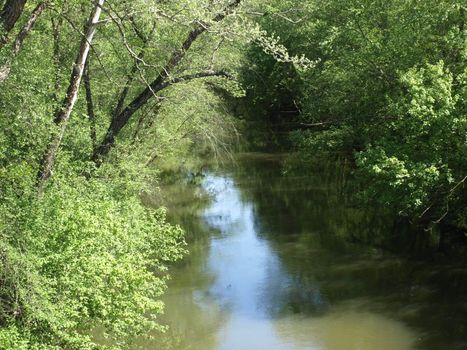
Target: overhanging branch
(188, 77)
(120, 120)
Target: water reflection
(272, 267)
(244, 266)
(254, 289)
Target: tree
(119, 121)
(19, 40)
(9, 15)
(87, 252)
(387, 95)
(63, 114)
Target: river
(275, 263)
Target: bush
(81, 257)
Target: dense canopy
(97, 96)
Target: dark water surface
(274, 264)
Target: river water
(275, 263)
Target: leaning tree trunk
(9, 14)
(63, 114)
(119, 121)
(23, 33)
(28, 26)
(56, 55)
(90, 105)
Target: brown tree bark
(9, 15)
(90, 105)
(56, 56)
(119, 121)
(28, 26)
(18, 43)
(63, 114)
(122, 119)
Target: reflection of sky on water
(247, 272)
(252, 289)
(276, 262)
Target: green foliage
(85, 256)
(383, 80)
(388, 92)
(405, 171)
(327, 143)
(398, 182)
(12, 339)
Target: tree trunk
(5, 70)
(28, 27)
(141, 121)
(119, 121)
(90, 105)
(63, 114)
(122, 119)
(56, 56)
(9, 15)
